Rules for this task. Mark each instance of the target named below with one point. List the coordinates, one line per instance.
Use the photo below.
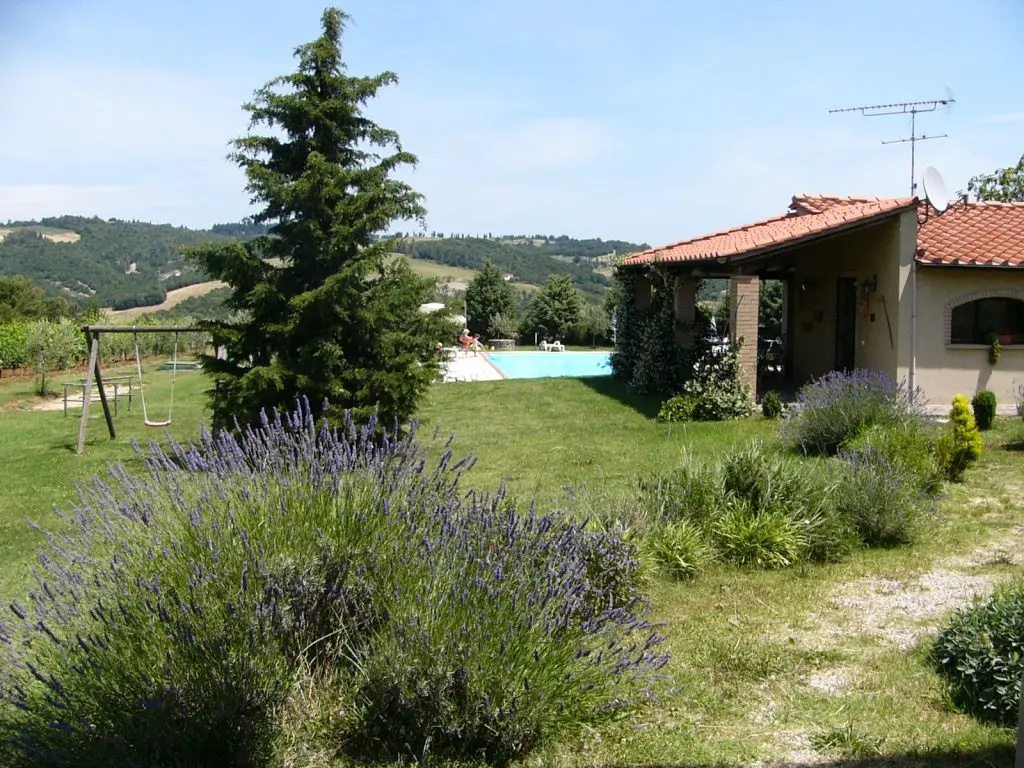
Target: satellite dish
(935, 191)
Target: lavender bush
(840, 406)
(883, 501)
(311, 590)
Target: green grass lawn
(40, 466)
(750, 648)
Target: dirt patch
(174, 298)
(75, 399)
(63, 237)
(898, 612)
(832, 682)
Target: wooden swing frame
(92, 338)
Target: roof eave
(765, 250)
(960, 265)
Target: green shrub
(676, 409)
(771, 405)
(52, 347)
(961, 445)
(679, 549)
(910, 445)
(835, 409)
(980, 654)
(883, 502)
(14, 345)
(717, 387)
(984, 406)
(763, 540)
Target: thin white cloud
(83, 116)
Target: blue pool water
(546, 365)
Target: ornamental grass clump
(840, 406)
(303, 590)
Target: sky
(648, 121)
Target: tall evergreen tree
(488, 295)
(555, 310)
(323, 313)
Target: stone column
(685, 307)
(744, 298)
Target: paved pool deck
(476, 367)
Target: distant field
(50, 233)
(174, 298)
(449, 274)
(441, 271)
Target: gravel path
(896, 613)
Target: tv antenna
(911, 108)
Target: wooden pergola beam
(140, 329)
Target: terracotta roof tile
(812, 215)
(805, 204)
(973, 234)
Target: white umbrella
(436, 306)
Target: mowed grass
(39, 466)
(748, 646)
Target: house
(888, 284)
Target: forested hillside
(114, 263)
(530, 259)
(124, 264)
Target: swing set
(92, 335)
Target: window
(977, 322)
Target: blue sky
(652, 120)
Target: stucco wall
(865, 255)
(944, 370)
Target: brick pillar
(685, 307)
(744, 297)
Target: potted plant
(995, 349)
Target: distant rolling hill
(135, 267)
(119, 264)
(530, 258)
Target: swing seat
(142, 391)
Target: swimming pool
(547, 365)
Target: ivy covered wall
(646, 356)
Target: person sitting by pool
(469, 342)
